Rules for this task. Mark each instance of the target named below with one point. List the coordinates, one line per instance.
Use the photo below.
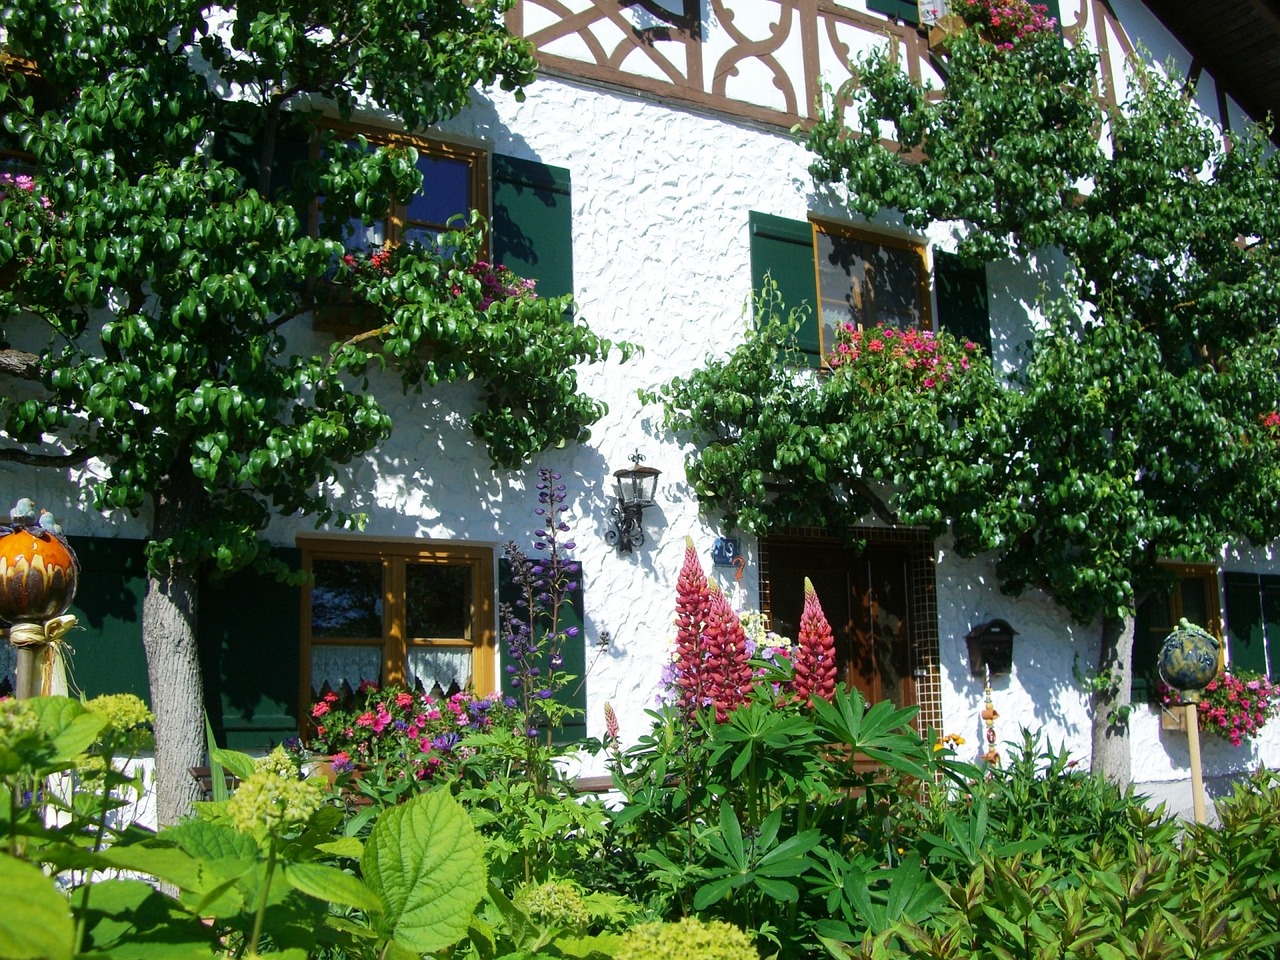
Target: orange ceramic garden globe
(37, 576)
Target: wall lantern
(634, 490)
(991, 648)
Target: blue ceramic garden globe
(1189, 659)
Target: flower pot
(943, 30)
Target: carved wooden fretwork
(763, 60)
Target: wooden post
(28, 672)
(1193, 745)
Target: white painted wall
(661, 197)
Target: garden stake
(989, 717)
(1193, 747)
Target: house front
(652, 173)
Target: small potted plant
(1234, 706)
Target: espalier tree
(1142, 428)
(156, 251)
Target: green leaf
(165, 863)
(331, 885)
(426, 862)
(713, 892)
(217, 774)
(241, 765)
(36, 923)
(209, 842)
(68, 724)
(342, 847)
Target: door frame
(925, 678)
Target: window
(1192, 593)
(1253, 622)
(842, 273)
(454, 182)
(413, 614)
(868, 280)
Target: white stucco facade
(661, 196)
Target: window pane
(867, 283)
(438, 601)
(1195, 604)
(426, 236)
(346, 599)
(343, 668)
(440, 672)
(446, 191)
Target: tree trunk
(1110, 701)
(173, 667)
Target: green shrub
(687, 939)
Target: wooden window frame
(1207, 573)
(821, 226)
(342, 318)
(476, 157)
(395, 557)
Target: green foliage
(263, 868)
(161, 278)
(687, 939)
(779, 818)
(1006, 147)
(535, 825)
(1040, 799)
(778, 447)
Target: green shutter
(532, 222)
(905, 10)
(962, 299)
(1271, 623)
(107, 651)
(249, 649)
(1246, 628)
(574, 653)
(782, 249)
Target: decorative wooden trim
(673, 59)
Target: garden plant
(788, 819)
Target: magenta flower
(815, 658)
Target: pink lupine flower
(610, 724)
(693, 605)
(815, 658)
(728, 671)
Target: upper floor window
(868, 280)
(454, 182)
(843, 273)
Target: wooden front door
(866, 597)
